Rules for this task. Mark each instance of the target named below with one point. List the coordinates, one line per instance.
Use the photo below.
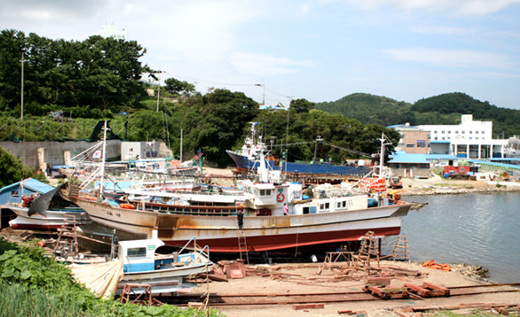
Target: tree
(12, 170)
(301, 105)
(102, 73)
(213, 122)
(179, 88)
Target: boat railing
(200, 251)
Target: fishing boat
(139, 266)
(163, 272)
(47, 211)
(248, 158)
(276, 215)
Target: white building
(109, 30)
(469, 139)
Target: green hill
(442, 109)
(370, 109)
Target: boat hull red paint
(285, 241)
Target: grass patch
(33, 284)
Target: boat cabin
(268, 196)
(139, 255)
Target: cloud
(443, 30)
(451, 58)
(452, 7)
(262, 64)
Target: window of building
(434, 131)
(456, 132)
(421, 143)
(476, 132)
(483, 132)
(449, 131)
(442, 132)
(463, 132)
(470, 132)
(435, 138)
(476, 138)
(410, 145)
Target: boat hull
(161, 281)
(244, 162)
(55, 219)
(262, 233)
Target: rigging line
(349, 150)
(297, 143)
(198, 80)
(277, 93)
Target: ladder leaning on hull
(242, 246)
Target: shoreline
(434, 185)
(439, 186)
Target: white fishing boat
(47, 211)
(163, 272)
(138, 265)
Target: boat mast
(103, 154)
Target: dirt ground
(315, 278)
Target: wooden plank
(308, 306)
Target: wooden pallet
(428, 290)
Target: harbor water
(479, 229)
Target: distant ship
(248, 158)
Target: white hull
(221, 232)
(55, 219)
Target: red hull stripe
(267, 243)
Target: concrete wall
(53, 152)
(411, 170)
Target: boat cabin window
(14, 193)
(324, 207)
(136, 252)
(265, 192)
(344, 203)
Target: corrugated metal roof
(402, 157)
(32, 184)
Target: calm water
(478, 229)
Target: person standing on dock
(285, 209)
(240, 218)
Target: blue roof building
(413, 165)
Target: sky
(319, 50)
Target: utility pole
(21, 94)
(159, 90)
